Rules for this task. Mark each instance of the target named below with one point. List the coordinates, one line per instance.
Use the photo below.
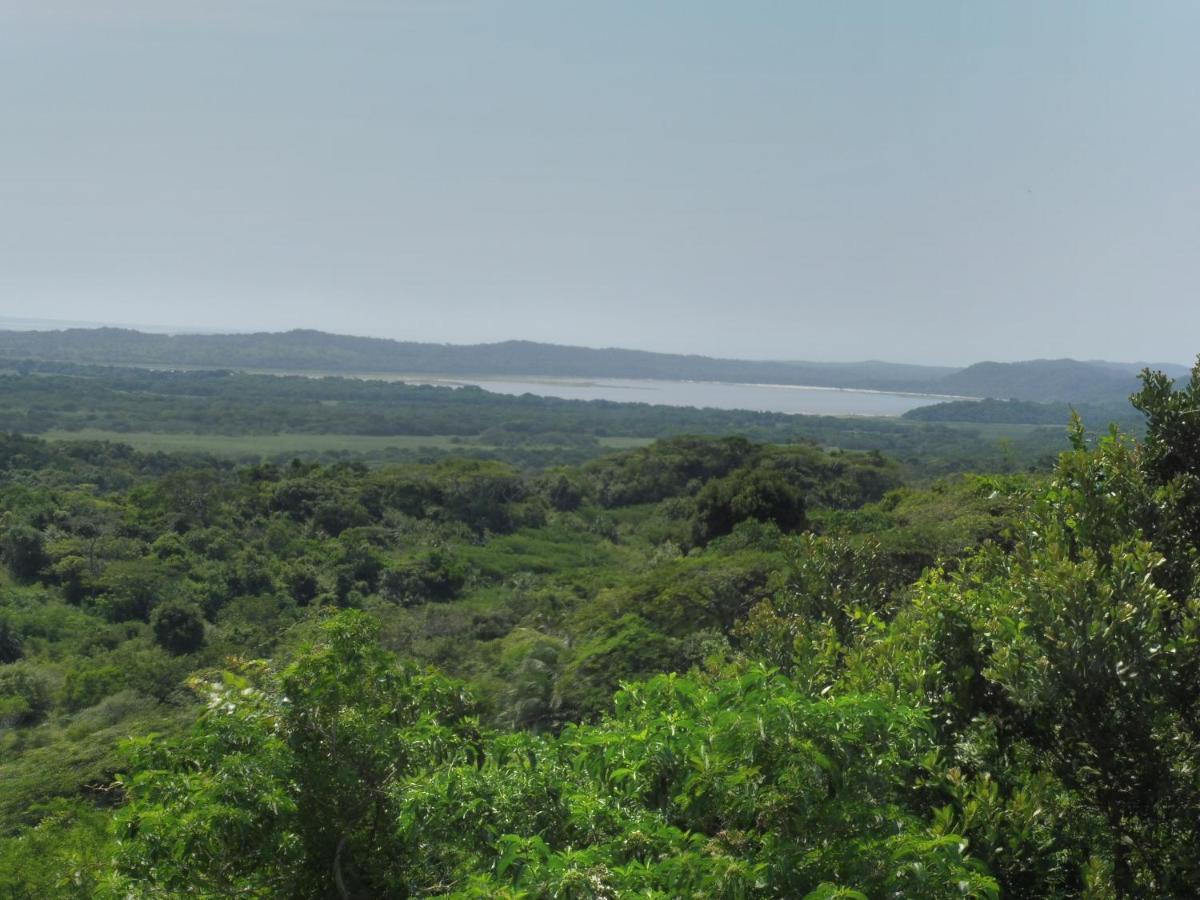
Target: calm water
(719, 395)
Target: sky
(933, 181)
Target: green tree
(11, 648)
(25, 694)
(286, 785)
(1170, 460)
(178, 627)
(758, 493)
(23, 548)
(835, 593)
(1065, 653)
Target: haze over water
(718, 395)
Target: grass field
(269, 445)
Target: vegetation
(273, 417)
(1025, 412)
(1050, 380)
(707, 667)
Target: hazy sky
(918, 181)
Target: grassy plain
(270, 445)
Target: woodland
(737, 661)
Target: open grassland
(270, 445)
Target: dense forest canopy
(706, 667)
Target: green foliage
(761, 495)
(65, 855)
(1066, 654)
(835, 593)
(435, 575)
(10, 642)
(348, 774)
(24, 694)
(981, 687)
(1027, 412)
(22, 548)
(1170, 458)
(271, 416)
(178, 627)
(916, 528)
(131, 588)
(285, 784)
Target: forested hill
(316, 350)
(1046, 380)
(1036, 380)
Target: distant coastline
(533, 366)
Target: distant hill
(1044, 380)
(1059, 380)
(318, 351)
(1173, 369)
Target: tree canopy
(705, 668)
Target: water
(778, 398)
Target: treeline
(39, 397)
(1026, 412)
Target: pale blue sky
(919, 181)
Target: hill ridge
(302, 349)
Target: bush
(435, 576)
(10, 643)
(178, 627)
(747, 494)
(87, 687)
(23, 550)
(24, 694)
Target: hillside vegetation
(703, 668)
(1048, 380)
